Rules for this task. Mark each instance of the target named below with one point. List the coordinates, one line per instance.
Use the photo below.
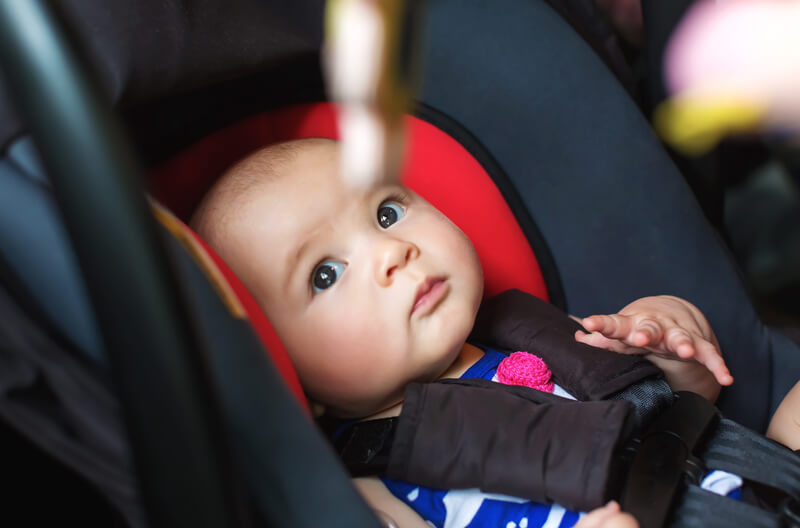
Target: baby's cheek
(363, 340)
(356, 367)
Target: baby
(371, 290)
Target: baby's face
(368, 290)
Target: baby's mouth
(429, 294)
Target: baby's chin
(364, 404)
(365, 401)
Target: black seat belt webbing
(737, 449)
(650, 397)
(705, 509)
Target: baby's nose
(392, 254)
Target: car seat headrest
(437, 167)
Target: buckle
(664, 459)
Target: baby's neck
(468, 356)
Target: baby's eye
(389, 213)
(326, 274)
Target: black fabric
(659, 20)
(365, 447)
(38, 490)
(617, 216)
(47, 270)
(64, 405)
(167, 125)
(514, 320)
(552, 280)
(514, 440)
(649, 397)
(701, 508)
(149, 49)
(588, 21)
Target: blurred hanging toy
(732, 67)
(371, 65)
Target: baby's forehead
(278, 172)
(304, 182)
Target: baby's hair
(234, 186)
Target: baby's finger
(709, 355)
(612, 326)
(680, 342)
(646, 332)
(608, 516)
(598, 516)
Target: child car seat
(521, 87)
(461, 188)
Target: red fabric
(437, 167)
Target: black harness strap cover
(518, 441)
(514, 320)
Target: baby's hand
(608, 516)
(665, 326)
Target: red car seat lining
(437, 167)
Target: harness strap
(514, 320)
(514, 440)
(665, 465)
(701, 508)
(650, 397)
(739, 450)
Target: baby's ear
(317, 409)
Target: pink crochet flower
(524, 368)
